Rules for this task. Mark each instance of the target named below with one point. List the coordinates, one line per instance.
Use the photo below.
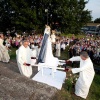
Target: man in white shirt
(86, 74)
(24, 59)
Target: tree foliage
(67, 15)
(97, 20)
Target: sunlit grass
(12, 53)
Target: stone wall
(14, 86)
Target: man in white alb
(4, 56)
(53, 37)
(24, 59)
(58, 48)
(86, 74)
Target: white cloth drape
(86, 76)
(53, 38)
(50, 59)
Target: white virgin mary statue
(46, 54)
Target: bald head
(84, 55)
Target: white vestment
(53, 38)
(24, 56)
(34, 55)
(86, 76)
(57, 49)
(4, 56)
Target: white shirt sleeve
(77, 70)
(77, 58)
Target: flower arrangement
(70, 81)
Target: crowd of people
(89, 44)
(59, 44)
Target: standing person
(38, 51)
(24, 59)
(71, 51)
(57, 48)
(17, 42)
(53, 40)
(4, 56)
(63, 46)
(34, 55)
(53, 37)
(86, 75)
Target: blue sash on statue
(42, 54)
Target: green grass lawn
(65, 93)
(12, 53)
